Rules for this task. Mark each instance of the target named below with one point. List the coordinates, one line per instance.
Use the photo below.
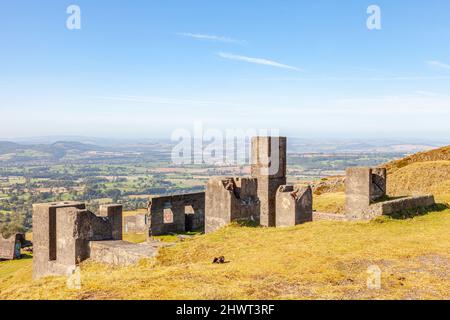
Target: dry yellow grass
(329, 202)
(326, 260)
(432, 155)
(420, 177)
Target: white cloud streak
(167, 101)
(438, 64)
(260, 61)
(209, 37)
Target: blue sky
(145, 68)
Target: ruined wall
(120, 253)
(10, 247)
(62, 232)
(324, 216)
(230, 199)
(362, 187)
(176, 214)
(113, 212)
(269, 167)
(396, 206)
(293, 206)
(379, 183)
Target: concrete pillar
(269, 167)
(45, 235)
(358, 191)
(114, 214)
(294, 206)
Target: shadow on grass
(248, 224)
(26, 256)
(388, 198)
(438, 207)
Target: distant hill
(11, 151)
(8, 147)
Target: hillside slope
(320, 260)
(432, 155)
(420, 177)
(424, 172)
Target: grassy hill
(326, 260)
(421, 177)
(421, 173)
(320, 260)
(432, 155)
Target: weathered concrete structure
(365, 190)
(293, 206)
(362, 186)
(66, 233)
(230, 199)
(391, 207)
(10, 247)
(176, 214)
(269, 167)
(135, 223)
(249, 198)
(122, 253)
(62, 232)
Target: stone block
(114, 214)
(230, 199)
(176, 214)
(293, 206)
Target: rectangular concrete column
(294, 205)
(358, 191)
(269, 167)
(45, 235)
(114, 214)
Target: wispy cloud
(166, 101)
(438, 64)
(426, 93)
(336, 78)
(254, 60)
(209, 37)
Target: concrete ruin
(10, 248)
(293, 206)
(269, 168)
(256, 198)
(231, 199)
(366, 199)
(65, 234)
(176, 214)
